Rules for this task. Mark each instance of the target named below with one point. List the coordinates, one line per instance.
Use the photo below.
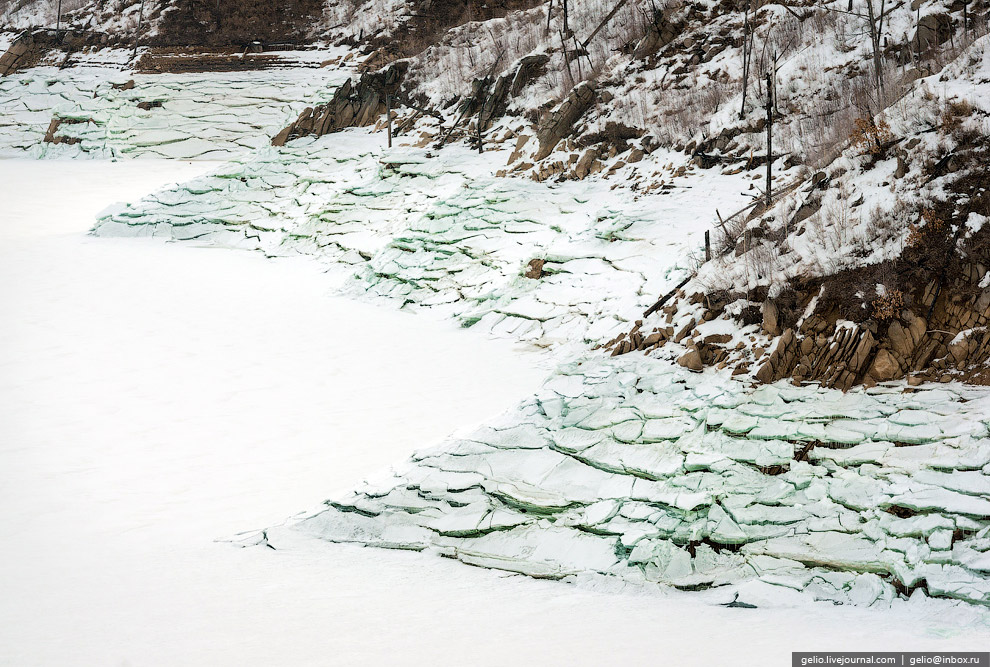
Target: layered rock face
(21, 53)
(953, 344)
(560, 123)
(30, 46)
(353, 105)
(207, 23)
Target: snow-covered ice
(438, 231)
(213, 116)
(155, 398)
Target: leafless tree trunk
(577, 57)
(876, 30)
(747, 54)
(388, 116)
(604, 22)
(769, 195)
(137, 35)
(874, 17)
(567, 61)
(58, 20)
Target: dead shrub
(870, 136)
(954, 114)
(932, 230)
(888, 305)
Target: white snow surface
(156, 398)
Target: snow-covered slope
(888, 239)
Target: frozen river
(156, 398)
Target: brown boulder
(901, 340)
(885, 366)
(691, 360)
(583, 167)
(685, 331)
(766, 373)
(535, 269)
(959, 349)
(770, 322)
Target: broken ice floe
(202, 116)
(628, 468)
(437, 232)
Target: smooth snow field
(158, 399)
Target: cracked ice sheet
(138, 534)
(204, 116)
(439, 232)
(573, 482)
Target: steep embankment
(875, 269)
(869, 262)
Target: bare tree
(875, 25)
(874, 17)
(747, 54)
(769, 195)
(137, 34)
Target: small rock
(535, 269)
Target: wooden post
(708, 246)
(747, 57)
(481, 119)
(388, 116)
(769, 140)
(58, 21)
(137, 35)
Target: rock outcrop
(953, 344)
(24, 52)
(52, 136)
(560, 123)
(661, 32)
(353, 105)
